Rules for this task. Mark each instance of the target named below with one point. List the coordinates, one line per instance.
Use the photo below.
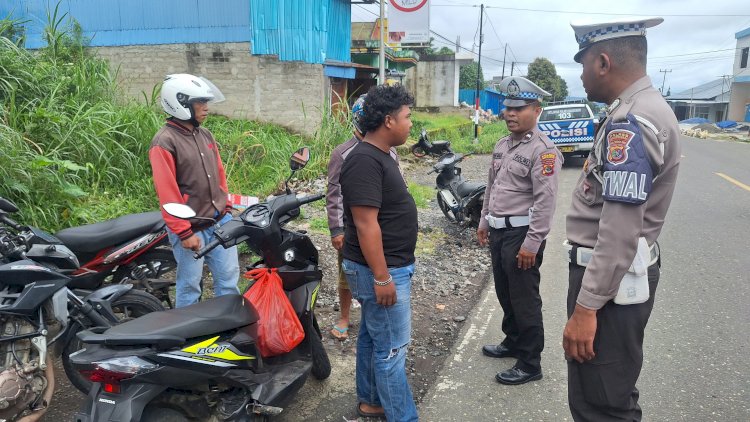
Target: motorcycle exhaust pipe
(262, 409)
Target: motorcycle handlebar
(310, 198)
(211, 246)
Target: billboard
(409, 21)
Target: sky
(696, 41)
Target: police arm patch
(548, 163)
(627, 175)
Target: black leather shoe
(516, 376)
(497, 351)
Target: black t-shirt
(371, 177)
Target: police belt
(507, 222)
(581, 255)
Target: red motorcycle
(131, 249)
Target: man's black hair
(381, 101)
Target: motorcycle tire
(131, 305)
(155, 264)
(418, 151)
(447, 211)
(321, 365)
(162, 414)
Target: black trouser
(518, 293)
(603, 389)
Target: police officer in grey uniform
(519, 203)
(617, 212)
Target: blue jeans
(384, 336)
(223, 264)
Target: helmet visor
(218, 96)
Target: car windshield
(564, 114)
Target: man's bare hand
(337, 242)
(483, 236)
(579, 333)
(526, 259)
(192, 243)
(386, 295)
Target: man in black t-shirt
(379, 241)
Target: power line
(580, 12)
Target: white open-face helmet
(180, 90)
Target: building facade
(739, 103)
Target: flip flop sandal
(340, 333)
(362, 413)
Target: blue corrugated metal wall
(134, 22)
(309, 31)
(488, 99)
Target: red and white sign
(242, 201)
(409, 21)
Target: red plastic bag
(279, 329)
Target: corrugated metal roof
(716, 91)
(302, 30)
(139, 22)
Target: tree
(467, 78)
(543, 73)
(430, 51)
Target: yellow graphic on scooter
(314, 296)
(210, 348)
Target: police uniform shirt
(524, 175)
(625, 188)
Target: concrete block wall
(262, 88)
(433, 83)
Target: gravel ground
(451, 270)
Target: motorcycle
(130, 249)
(202, 362)
(40, 315)
(424, 146)
(458, 199)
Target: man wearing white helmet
(187, 169)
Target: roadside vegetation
(75, 149)
(459, 129)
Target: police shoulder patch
(548, 163)
(618, 144)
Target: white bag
(634, 287)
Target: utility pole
(504, 53)
(512, 65)
(723, 81)
(381, 74)
(479, 77)
(665, 71)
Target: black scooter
(424, 146)
(201, 362)
(459, 199)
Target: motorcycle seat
(172, 328)
(92, 238)
(468, 188)
(441, 143)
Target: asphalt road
(697, 343)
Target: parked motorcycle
(459, 199)
(130, 249)
(40, 315)
(201, 362)
(424, 146)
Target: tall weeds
(76, 152)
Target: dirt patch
(451, 270)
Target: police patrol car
(571, 126)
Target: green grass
(457, 128)
(421, 194)
(319, 225)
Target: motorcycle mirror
(179, 210)
(424, 132)
(299, 159)
(7, 205)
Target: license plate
(566, 149)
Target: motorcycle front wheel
(321, 365)
(447, 211)
(418, 151)
(131, 305)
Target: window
(743, 60)
(565, 114)
(701, 111)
